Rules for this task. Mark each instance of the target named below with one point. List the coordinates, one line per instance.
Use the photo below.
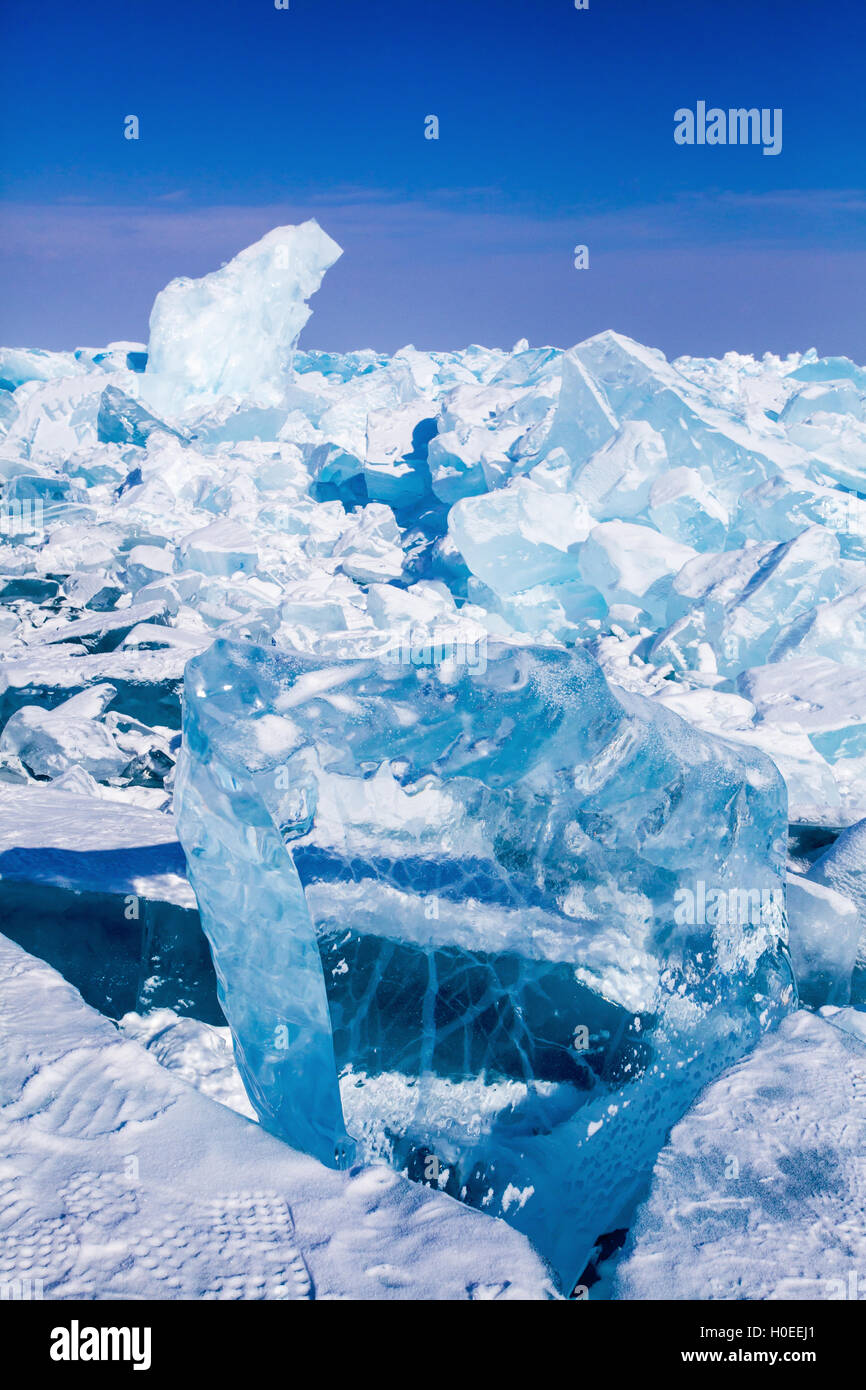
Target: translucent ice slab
(491, 921)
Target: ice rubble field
(505, 676)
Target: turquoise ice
(442, 902)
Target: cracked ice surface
(694, 530)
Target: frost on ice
(493, 660)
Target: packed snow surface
(760, 1193)
(120, 1180)
(523, 659)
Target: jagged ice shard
(443, 909)
(232, 333)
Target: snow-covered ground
(90, 842)
(119, 1180)
(761, 1191)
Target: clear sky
(556, 129)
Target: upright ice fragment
(232, 333)
(461, 890)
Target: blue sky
(556, 128)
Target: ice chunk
(94, 589)
(479, 896)
(232, 333)
(639, 384)
(47, 743)
(632, 564)
(739, 602)
(824, 931)
(396, 470)
(99, 632)
(563, 611)
(483, 434)
(457, 460)
(222, 548)
(797, 576)
(18, 365)
(828, 369)
(124, 420)
(684, 507)
(399, 485)
(782, 508)
(615, 482)
(146, 563)
(520, 536)
(823, 699)
(57, 416)
(836, 398)
(838, 453)
(33, 502)
(843, 868)
(145, 680)
(369, 548)
(835, 630)
(399, 433)
(584, 420)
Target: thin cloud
(467, 219)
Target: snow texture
(761, 1191)
(121, 1181)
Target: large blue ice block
(461, 914)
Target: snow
(760, 1192)
(121, 1181)
(90, 844)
